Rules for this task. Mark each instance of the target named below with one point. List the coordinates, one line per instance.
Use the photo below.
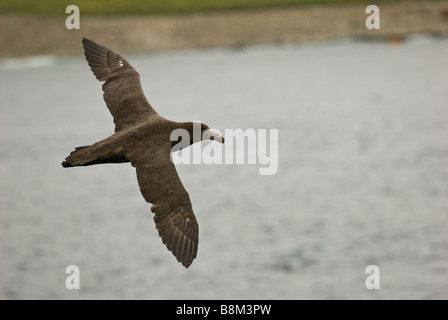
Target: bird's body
(142, 137)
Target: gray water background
(362, 178)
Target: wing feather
(123, 92)
(173, 214)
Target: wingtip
(85, 43)
(187, 263)
(186, 259)
(90, 43)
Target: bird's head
(191, 132)
(209, 134)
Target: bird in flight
(142, 137)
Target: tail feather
(88, 155)
(76, 157)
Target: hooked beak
(212, 135)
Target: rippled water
(362, 178)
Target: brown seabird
(142, 137)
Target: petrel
(142, 137)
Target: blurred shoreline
(24, 35)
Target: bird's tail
(90, 155)
(80, 157)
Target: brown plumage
(142, 137)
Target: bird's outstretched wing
(122, 91)
(160, 185)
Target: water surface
(362, 178)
